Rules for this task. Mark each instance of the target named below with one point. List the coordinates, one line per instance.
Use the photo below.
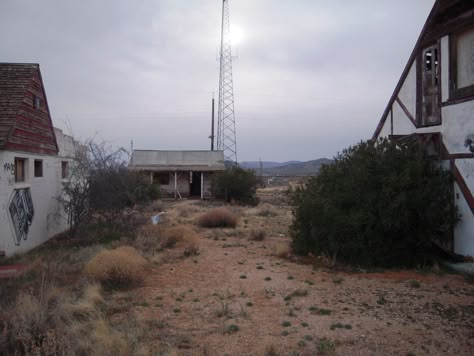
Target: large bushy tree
(379, 204)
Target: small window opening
(37, 102)
(64, 169)
(428, 61)
(161, 178)
(38, 168)
(20, 173)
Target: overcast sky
(312, 76)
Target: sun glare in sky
(236, 35)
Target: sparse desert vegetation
(218, 217)
(186, 289)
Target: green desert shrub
(379, 204)
(235, 184)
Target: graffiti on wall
(9, 170)
(469, 143)
(21, 213)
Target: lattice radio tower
(226, 138)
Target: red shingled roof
(16, 83)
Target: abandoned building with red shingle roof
(34, 161)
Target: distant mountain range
(290, 168)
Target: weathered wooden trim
(405, 110)
(391, 121)
(463, 187)
(456, 24)
(454, 92)
(427, 36)
(405, 72)
(202, 185)
(461, 155)
(450, 102)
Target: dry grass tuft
(282, 251)
(186, 211)
(258, 234)
(269, 350)
(191, 247)
(266, 210)
(218, 217)
(119, 268)
(173, 235)
(55, 322)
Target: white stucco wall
(402, 125)
(456, 128)
(48, 218)
(407, 93)
(464, 231)
(458, 125)
(466, 168)
(444, 43)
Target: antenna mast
(226, 138)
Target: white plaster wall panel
(66, 144)
(402, 125)
(386, 128)
(41, 189)
(182, 184)
(444, 68)
(466, 168)
(407, 93)
(48, 219)
(465, 55)
(464, 231)
(458, 126)
(207, 184)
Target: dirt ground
(241, 296)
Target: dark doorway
(195, 188)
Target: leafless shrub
(219, 217)
(282, 251)
(173, 235)
(120, 267)
(269, 350)
(266, 210)
(191, 245)
(55, 322)
(257, 234)
(185, 211)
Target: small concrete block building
(179, 173)
(34, 161)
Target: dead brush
(218, 217)
(185, 211)
(121, 267)
(257, 234)
(191, 245)
(171, 236)
(57, 322)
(266, 210)
(282, 251)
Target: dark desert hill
(291, 168)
